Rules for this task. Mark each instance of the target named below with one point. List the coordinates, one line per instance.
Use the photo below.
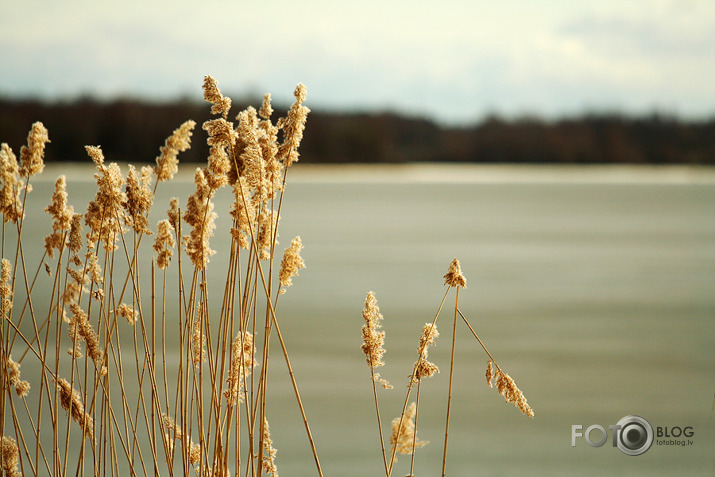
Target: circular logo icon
(634, 436)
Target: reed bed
(138, 366)
(110, 398)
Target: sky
(450, 60)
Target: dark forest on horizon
(133, 130)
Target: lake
(594, 288)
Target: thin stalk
(480, 341)
(409, 390)
(414, 434)
(377, 411)
(451, 376)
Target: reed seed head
(292, 262)
(266, 109)
(200, 216)
(173, 213)
(71, 401)
(139, 199)
(267, 232)
(61, 215)
(32, 155)
(242, 363)
(75, 238)
(22, 388)
(10, 457)
(490, 373)
(427, 338)
(105, 213)
(221, 104)
(93, 270)
(167, 162)
(129, 313)
(373, 338)
(6, 288)
(10, 185)
(171, 427)
(269, 452)
(423, 367)
(293, 127)
(403, 436)
(454, 277)
(508, 388)
(242, 212)
(164, 243)
(84, 329)
(198, 337)
(221, 138)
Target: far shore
(449, 173)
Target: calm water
(598, 297)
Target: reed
(403, 438)
(106, 400)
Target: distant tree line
(133, 131)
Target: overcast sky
(451, 60)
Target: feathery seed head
(200, 216)
(105, 212)
(80, 323)
(199, 338)
(6, 289)
(242, 363)
(221, 104)
(32, 155)
(139, 199)
(22, 388)
(508, 388)
(291, 263)
(11, 185)
(61, 218)
(267, 233)
(372, 336)
(454, 277)
(10, 457)
(164, 243)
(403, 436)
(128, 312)
(75, 238)
(71, 401)
(269, 452)
(173, 213)
(266, 109)
(489, 373)
(293, 127)
(167, 161)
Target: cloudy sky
(451, 60)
